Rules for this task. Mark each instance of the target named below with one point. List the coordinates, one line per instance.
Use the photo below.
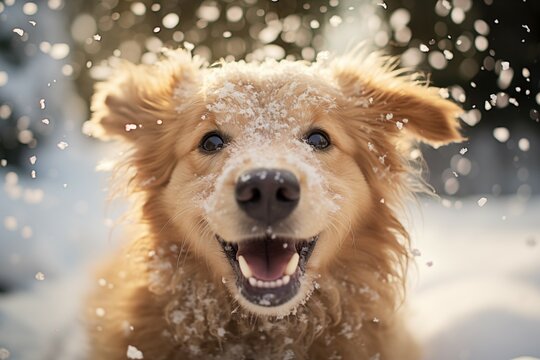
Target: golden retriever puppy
(267, 214)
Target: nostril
(286, 194)
(255, 195)
(248, 194)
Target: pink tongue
(267, 259)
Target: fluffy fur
(171, 293)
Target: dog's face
(265, 170)
(267, 175)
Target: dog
(268, 200)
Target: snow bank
(475, 292)
(480, 298)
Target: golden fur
(171, 294)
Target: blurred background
(53, 220)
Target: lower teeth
(269, 284)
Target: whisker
(174, 217)
(189, 243)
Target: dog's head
(265, 171)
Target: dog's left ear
(399, 102)
(145, 106)
(136, 100)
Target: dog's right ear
(139, 100)
(384, 94)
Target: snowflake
(134, 353)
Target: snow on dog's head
(267, 172)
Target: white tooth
(244, 267)
(293, 263)
(260, 283)
(279, 282)
(275, 283)
(266, 284)
(286, 279)
(252, 281)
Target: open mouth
(269, 270)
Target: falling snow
(18, 31)
(134, 353)
(501, 134)
(40, 276)
(43, 221)
(482, 201)
(524, 144)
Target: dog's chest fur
(177, 312)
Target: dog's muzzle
(269, 267)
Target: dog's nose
(267, 195)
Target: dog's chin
(279, 311)
(270, 272)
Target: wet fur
(163, 275)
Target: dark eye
(318, 139)
(212, 142)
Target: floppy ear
(139, 100)
(140, 104)
(395, 100)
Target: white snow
(62, 145)
(40, 276)
(482, 201)
(501, 134)
(134, 353)
(481, 298)
(475, 289)
(18, 31)
(524, 144)
(478, 299)
(4, 354)
(42, 322)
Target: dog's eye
(318, 139)
(212, 142)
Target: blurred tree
(12, 58)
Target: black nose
(267, 195)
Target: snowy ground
(480, 298)
(476, 289)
